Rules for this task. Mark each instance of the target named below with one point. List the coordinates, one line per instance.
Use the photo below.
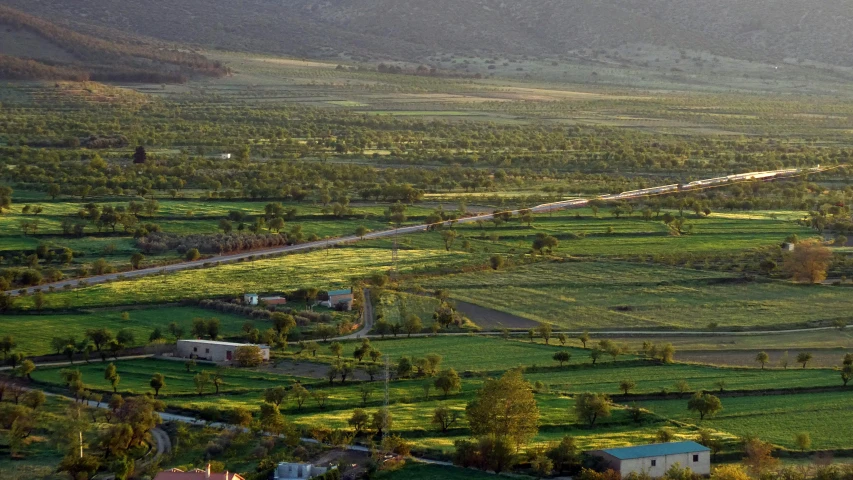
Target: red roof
(176, 474)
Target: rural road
(328, 243)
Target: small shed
(197, 474)
(250, 299)
(656, 459)
(788, 247)
(275, 300)
(339, 296)
(214, 351)
(298, 471)
(225, 156)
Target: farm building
(276, 300)
(298, 471)
(656, 459)
(250, 299)
(788, 247)
(178, 474)
(339, 296)
(214, 351)
(225, 156)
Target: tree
(448, 381)
(804, 358)
(282, 322)
(444, 418)
(80, 468)
(111, 375)
(275, 395)
(627, 385)
(381, 421)
(682, 387)
(248, 356)
(562, 338)
(562, 356)
(846, 374)
(157, 382)
(300, 394)
(496, 453)
(505, 408)
(34, 399)
(497, 262)
(803, 441)
(201, 380)
(365, 391)
(759, 456)
(358, 420)
(729, 472)
(412, 324)
(136, 259)
(176, 330)
(591, 406)
(27, 367)
(449, 237)
(404, 367)
(192, 255)
(664, 435)
(140, 155)
(584, 338)
(545, 243)
(212, 328)
(595, 354)
(336, 348)
(762, 358)
(808, 262)
(704, 404)
(7, 344)
(545, 331)
(564, 454)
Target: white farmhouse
(214, 351)
(298, 471)
(656, 459)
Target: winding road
(330, 242)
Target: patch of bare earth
(489, 319)
(746, 358)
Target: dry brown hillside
(766, 30)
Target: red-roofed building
(177, 474)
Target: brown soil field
(489, 319)
(746, 358)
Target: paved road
(367, 317)
(320, 244)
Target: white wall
(663, 463)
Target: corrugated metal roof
(656, 450)
(340, 292)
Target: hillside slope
(766, 30)
(32, 48)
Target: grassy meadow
(614, 295)
(33, 333)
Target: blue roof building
(657, 458)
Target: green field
(33, 333)
(613, 295)
(136, 374)
(826, 417)
(334, 268)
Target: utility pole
(394, 257)
(385, 425)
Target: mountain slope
(767, 30)
(33, 48)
